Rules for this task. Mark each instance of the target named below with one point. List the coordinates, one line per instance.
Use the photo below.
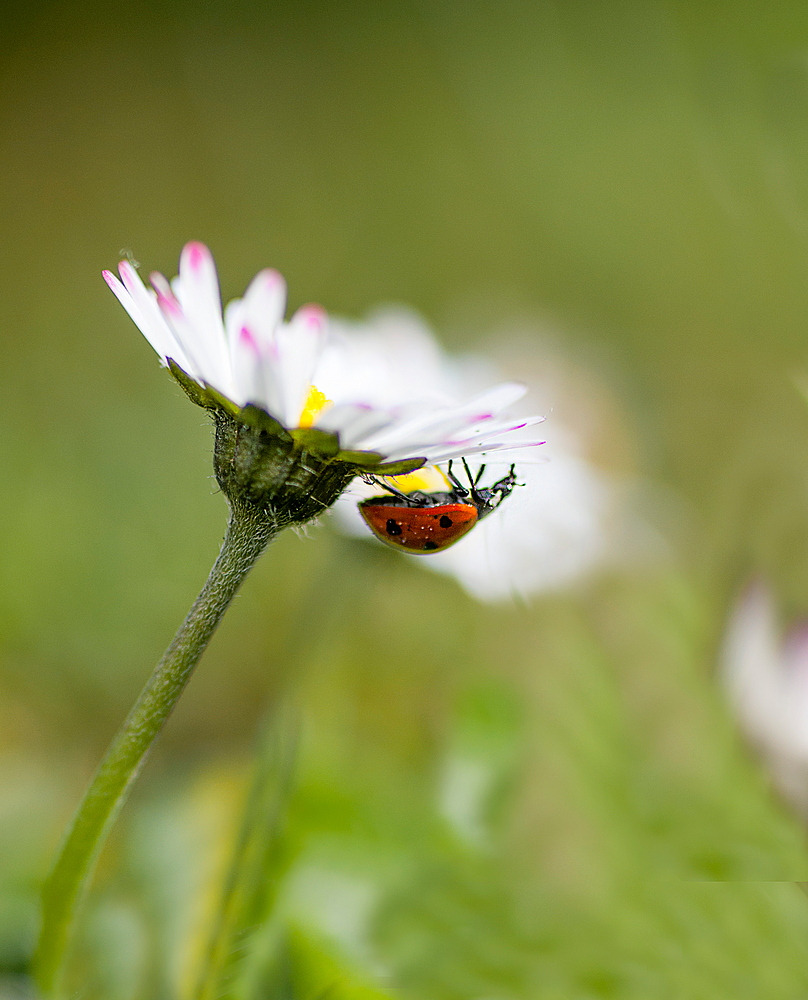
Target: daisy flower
(323, 416)
(566, 518)
(766, 678)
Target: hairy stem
(248, 532)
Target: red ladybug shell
(420, 522)
(419, 530)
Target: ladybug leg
(504, 487)
(476, 496)
(393, 490)
(459, 487)
(506, 481)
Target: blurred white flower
(561, 524)
(766, 677)
(300, 375)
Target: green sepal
(219, 402)
(192, 389)
(203, 395)
(371, 461)
(363, 459)
(321, 443)
(257, 417)
(399, 468)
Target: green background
(635, 175)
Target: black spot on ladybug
(445, 522)
(429, 546)
(393, 527)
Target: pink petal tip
(195, 254)
(246, 338)
(126, 271)
(312, 315)
(165, 297)
(272, 278)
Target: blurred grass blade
(249, 885)
(247, 896)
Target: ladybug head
(485, 498)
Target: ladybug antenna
(480, 472)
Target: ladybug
(421, 523)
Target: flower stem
(248, 532)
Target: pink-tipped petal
(197, 290)
(141, 306)
(197, 255)
(165, 296)
(263, 307)
(454, 450)
(299, 345)
(271, 279)
(183, 332)
(245, 360)
(250, 357)
(313, 316)
(246, 339)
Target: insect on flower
(421, 522)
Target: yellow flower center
(430, 479)
(315, 404)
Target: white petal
(185, 335)
(442, 453)
(252, 323)
(474, 435)
(142, 307)
(264, 305)
(447, 434)
(496, 399)
(197, 291)
(247, 368)
(353, 422)
(298, 346)
(433, 424)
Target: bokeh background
(630, 175)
